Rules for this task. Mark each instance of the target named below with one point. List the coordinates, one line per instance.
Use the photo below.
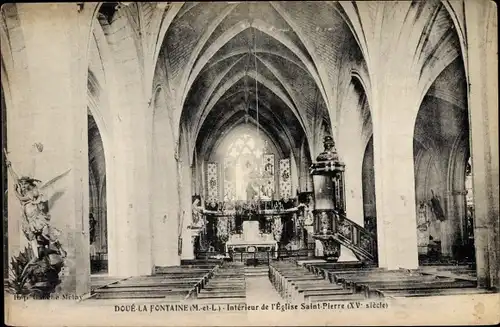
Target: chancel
(234, 151)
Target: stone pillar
(165, 195)
(130, 252)
(354, 189)
(482, 42)
(51, 112)
(186, 205)
(395, 193)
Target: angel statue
(47, 252)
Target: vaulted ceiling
(238, 52)
(296, 58)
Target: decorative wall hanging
(284, 178)
(268, 187)
(213, 182)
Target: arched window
(245, 145)
(242, 167)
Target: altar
(251, 240)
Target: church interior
(323, 150)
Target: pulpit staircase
(356, 238)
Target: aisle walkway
(260, 290)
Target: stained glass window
(243, 169)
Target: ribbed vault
(242, 51)
(299, 56)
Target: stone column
(51, 112)
(186, 205)
(395, 194)
(354, 188)
(130, 250)
(394, 169)
(165, 195)
(482, 42)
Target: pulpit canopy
(328, 162)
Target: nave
(215, 152)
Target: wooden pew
(316, 267)
(376, 282)
(226, 284)
(299, 285)
(176, 284)
(437, 286)
(432, 292)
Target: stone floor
(259, 290)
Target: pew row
(226, 285)
(296, 284)
(378, 282)
(170, 283)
